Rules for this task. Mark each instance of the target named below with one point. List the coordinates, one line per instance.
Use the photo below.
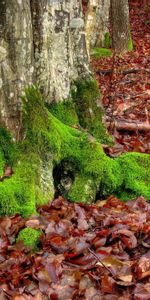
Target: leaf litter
(85, 252)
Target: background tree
(121, 35)
(97, 23)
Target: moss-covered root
(30, 237)
(48, 142)
(96, 171)
(18, 193)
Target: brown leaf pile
(86, 252)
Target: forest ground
(97, 252)
(126, 90)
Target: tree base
(48, 146)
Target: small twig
(110, 88)
(95, 255)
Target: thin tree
(121, 35)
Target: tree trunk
(59, 46)
(97, 23)
(16, 59)
(121, 37)
(41, 42)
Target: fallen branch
(124, 72)
(131, 126)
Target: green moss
(65, 112)
(66, 142)
(100, 52)
(136, 173)
(107, 41)
(30, 237)
(2, 163)
(130, 44)
(7, 147)
(96, 171)
(18, 193)
(147, 22)
(47, 139)
(83, 189)
(86, 97)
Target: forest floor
(126, 88)
(98, 252)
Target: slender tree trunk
(121, 37)
(97, 22)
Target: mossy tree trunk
(97, 23)
(41, 42)
(44, 42)
(121, 35)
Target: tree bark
(59, 46)
(16, 59)
(97, 22)
(121, 37)
(41, 42)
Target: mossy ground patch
(101, 52)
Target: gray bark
(16, 59)
(120, 25)
(41, 42)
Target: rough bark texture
(97, 22)
(59, 45)
(16, 59)
(121, 38)
(41, 42)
